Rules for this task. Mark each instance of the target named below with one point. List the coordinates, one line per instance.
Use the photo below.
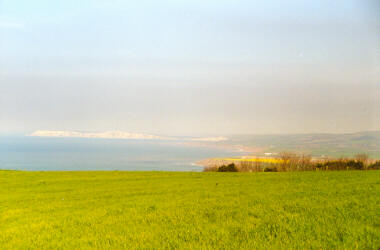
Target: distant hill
(334, 145)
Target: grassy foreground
(79, 210)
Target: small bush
(340, 164)
(357, 165)
(374, 166)
(319, 166)
(229, 168)
(363, 158)
(267, 169)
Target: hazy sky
(191, 67)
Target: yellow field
(264, 160)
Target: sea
(81, 154)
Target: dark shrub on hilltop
(374, 166)
(319, 166)
(267, 169)
(335, 165)
(341, 164)
(229, 168)
(357, 165)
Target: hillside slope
(335, 145)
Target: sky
(190, 67)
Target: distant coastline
(119, 135)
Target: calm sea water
(32, 153)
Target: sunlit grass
(145, 210)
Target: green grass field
(113, 210)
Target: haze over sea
(43, 153)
